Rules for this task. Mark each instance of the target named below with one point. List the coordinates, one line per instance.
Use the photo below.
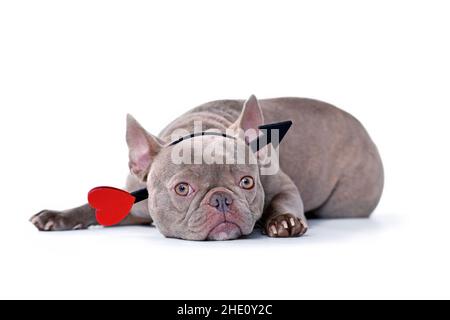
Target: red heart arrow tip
(112, 205)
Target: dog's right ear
(143, 148)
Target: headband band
(198, 134)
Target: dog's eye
(247, 183)
(183, 189)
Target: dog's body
(330, 168)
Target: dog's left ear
(250, 119)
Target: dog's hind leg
(356, 193)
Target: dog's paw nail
(304, 227)
(274, 230)
(292, 221)
(49, 225)
(284, 224)
(78, 227)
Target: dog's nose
(221, 201)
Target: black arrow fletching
(266, 137)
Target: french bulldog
(328, 168)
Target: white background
(71, 70)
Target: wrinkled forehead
(211, 149)
(212, 154)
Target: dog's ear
(250, 119)
(143, 148)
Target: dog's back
(327, 153)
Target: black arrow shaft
(140, 195)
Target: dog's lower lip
(227, 227)
(225, 222)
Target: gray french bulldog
(329, 168)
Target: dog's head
(201, 199)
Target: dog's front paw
(285, 225)
(49, 220)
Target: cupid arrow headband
(112, 205)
